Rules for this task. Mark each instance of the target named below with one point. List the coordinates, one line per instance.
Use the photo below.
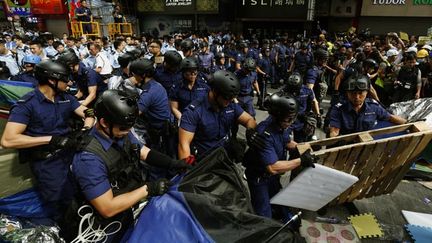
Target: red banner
(48, 6)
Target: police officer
(316, 75)
(169, 73)
(303, 60)
(408, 83)
(309, 117)
(187, 48)
(219, 62)
(154, 123)
(254, 51)
(247, 77)
(189, 89)
(107, 168)
(264, 166)
(265, 73)
(358, 113)
(29, 62)
(38, 127)
(205, 124)
(241, 54)
(205, 60)
(116, 81)
(88, 82)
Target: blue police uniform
(87, 77)
(304, 99)
(205, 61)
(46, 118)
(184, 96)
(153, 123)
(153, 103)
(253, 53)
(26, 77)
(302, 62)
(211, 128)
(166, 78)
(90, 170)
(262, 185)
(246, 87)
(344, 117)
(87, 28)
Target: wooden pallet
(379, 163)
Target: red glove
(190, 160)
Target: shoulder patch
(338, 105)
(26, 97)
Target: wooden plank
(375, 174)
(365, 137)
(302, 147)
(341, 159)
(420, 127)
(331, 159)
(367, 167)
(350, 163)
(399, 163)
(425, 139)
(395, 161)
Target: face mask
(421, 60)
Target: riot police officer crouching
(87, 81)
(108, 171)
(29, 63)
(38, 128)
(264, 166)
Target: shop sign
(289, 9)
(389, 2)
(180, 6)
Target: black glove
(156, 158)
(157, 188)
(319, 121)
(254, 139)
(307, 159)
(61, 142)
(89, 113)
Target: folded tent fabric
(209, 204)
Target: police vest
(408, 78)
(124, 172)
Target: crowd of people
(109, 121)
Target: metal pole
(283, 227)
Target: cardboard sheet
(313, 188)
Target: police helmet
(243, 44)
(48, 69)
(125, 59)
(31, 59)
(249, 64)
(142, 67)
(187, 45)
(203, 44)
(294, 82)
(282, 107)
(137, 52)
(219, 55)
(117, 107)
(266, 41)
(358, 83)
(68, 58)
(189, 63)
(225, 83)
(255, 42)
(172, 58)
(321, 54)
(370, 63)
(304, 45)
